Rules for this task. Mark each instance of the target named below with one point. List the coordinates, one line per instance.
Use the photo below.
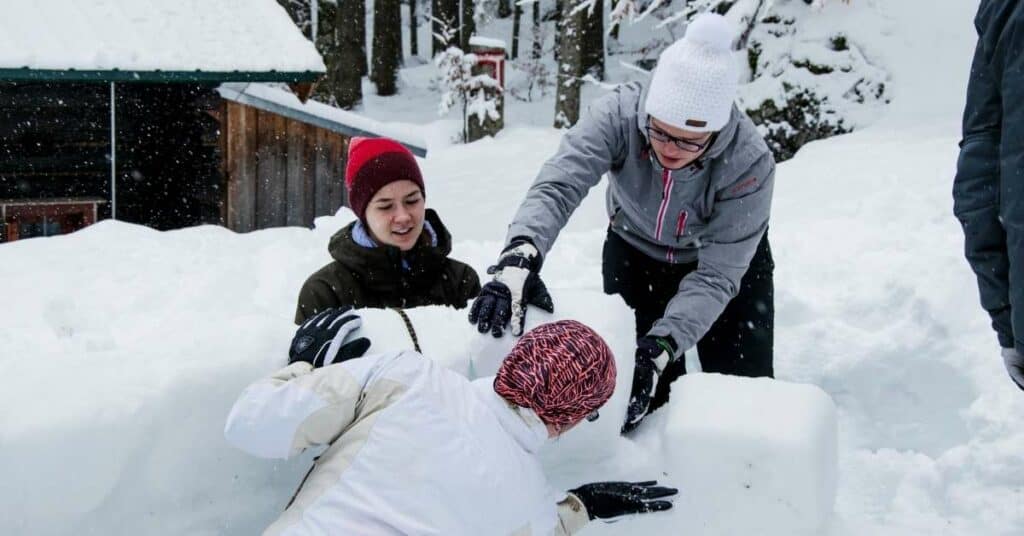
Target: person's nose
(402, 215)
(671, 150)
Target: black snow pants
(738, 343)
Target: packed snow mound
(134, 390)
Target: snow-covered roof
(488, 42)
(224, 36)
(282, 102)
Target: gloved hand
(516, 284)
(320, 341)
(1014, 365)
(652, 355)
(607, 500)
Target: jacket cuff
(537, 261)
(572, 515)
(661, 332)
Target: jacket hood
(521, 423)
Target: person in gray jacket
(987, 192)
(689, 195)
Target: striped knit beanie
(373, 163)
(562, 371)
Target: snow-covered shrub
(477, 92)
(806, 82)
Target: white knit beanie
(694, 84)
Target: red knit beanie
(562, 371)
(373, 163)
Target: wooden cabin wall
(279, 171)
(54, 140)
(168, 155)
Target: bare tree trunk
(414, 47)
(592, 40)
(538, 44)
(559, 17)
(516, 17)
(504, 8)
(387, 37)
(360, 32)
(343, 71)
(468, 27)
(615, 31)
(570, 67)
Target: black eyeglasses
(686, 145)
(593, 416)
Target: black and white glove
(1014, 365)
(320, 341)
(516, 284)
(652, 355)
(608, 500)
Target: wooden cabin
(166, 115)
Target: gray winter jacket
(988, 191)
(714, 212)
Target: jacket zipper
(666, 192)
(680, 227)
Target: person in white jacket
(414, 448)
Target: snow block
(752, 455)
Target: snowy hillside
(123, 348)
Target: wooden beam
(339, 152)
(271, 172)
(240, 157)
(309, 174)
(296, 177)
(303, 90)
(323, 173)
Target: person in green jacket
(396, 253)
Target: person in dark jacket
(396, 253)
(988, 191)
(689, 199)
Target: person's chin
(404, 242)
(673, 164)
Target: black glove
(1014, 365)
(516, 284)
(652, 355)
(320, 341)
(607, 500)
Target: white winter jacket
(413, 449)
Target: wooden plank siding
(280, 171)
(297, 160)
(323, 174)
(240, 164)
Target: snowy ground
(123, 347)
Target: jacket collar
(521, 423)
(361, 236)
(381, 268)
